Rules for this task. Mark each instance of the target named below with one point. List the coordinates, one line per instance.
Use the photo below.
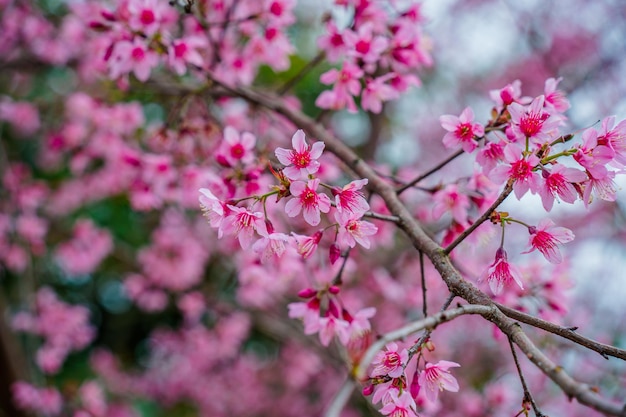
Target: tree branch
(414, 327)
(422, 242)
(564, 332)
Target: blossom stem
(527, 395)
(547, 159)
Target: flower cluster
(524, 146)
(396, 392)
(64, 328)
(380, 52)
(141, 35)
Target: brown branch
(503, 195)
(430, 171)
(528, 398)
(564, 332)
(439, 258)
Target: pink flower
(237, 148)
(346, 85)
(555, 99)
(353, 231)
(400, 406)
(593, 155)
(330, 326)
(461, 130)
(364, 45)
(501, 273)
(435, 378)
(213, 209)
(376, 92)
(489, 155)
(350, 199)
(615, 137)
(390, 362)
(559, 183)
(452, 200)
(271, 246)
(532, 122)
(185, 51)
(545, 237)
(307, 200)
(520, 169)
(308, 244)
(133, 57)
(243, 223)
(510, 93)
(301, 161)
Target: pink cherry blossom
(133, 57)
(401, 405)
(436, 377)
(307, 200)
(545, 237)
(615, 137)
(183, 52)
(558, 182)
(555, 99)
(593, 155)
(47, 401)
(390, 362)
(376, 92)
(213, 209)
(461, 130)
(510, 93)
(519, 169)
(243, 223)
(501, 272)
(237, 148)
(353, 231)
(332, 42)
(302, 160)
(271, 246)
(453, 200)
(346, 85)
(364, 44)
(86, 250)
(533, 122)
(350, 198)
(306, 245)
(602, 187)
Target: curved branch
(422, 242)
(564, 332)
(414, 327)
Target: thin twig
(528, 398)
(431, 171)
(416, 346)
(301, 74)
(505, 193)
(565, 332)
(337, 280)
(414, 327)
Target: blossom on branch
(436, 377)
(302, 160)
(307, 200)
(500, 273)
(545, 237)
(461, 130)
